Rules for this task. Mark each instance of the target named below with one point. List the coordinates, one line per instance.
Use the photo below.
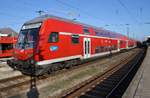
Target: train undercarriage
(29, 67)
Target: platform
(6, 71)
(140, 85)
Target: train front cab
(25, 48)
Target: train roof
(44, 17)
(7, 32)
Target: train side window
(75, 39)
(54, 37)
(97, 33)
(86, 31)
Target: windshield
(27, 38)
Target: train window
(53, 38)
(86, 31)
(97, 50)
(97, 33)
(75, 39)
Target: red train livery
(51, 43)
(7, 41)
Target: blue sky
(109, 14)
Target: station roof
(7, 32)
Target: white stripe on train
(71, 57)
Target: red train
(8, 38)
(51, 43)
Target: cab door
(87, 47)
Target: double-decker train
(8, 39)
(49, 43)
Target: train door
(127, 44)
(87, 47)
(118, 45)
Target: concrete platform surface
(140, 85)
(6, 71)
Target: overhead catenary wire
(128, 11)
(80, 10)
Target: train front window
(27, 38)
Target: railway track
(108, 84)
(19, 81)
(3, 61)
(11, 82)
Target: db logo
(53, 48)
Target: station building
(148, 40)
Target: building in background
(148, 40)
(7, 41)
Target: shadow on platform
(33, 92)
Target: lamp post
(127, 46)
(128, 30)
